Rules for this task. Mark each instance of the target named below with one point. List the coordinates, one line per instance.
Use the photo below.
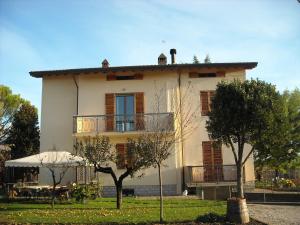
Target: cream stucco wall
(193, 144)
(92, 90)
(59, 106)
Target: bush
(211, 218)
(286, 183)
(96, 189)
(80, 192)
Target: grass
(103, 210)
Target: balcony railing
(210, 174)
(149, 122)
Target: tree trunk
(53, 196)
(239, 173)
(119, 194)
(237, 210)
(53, 188)
(161, 215)
(276, 177)
(258, 174)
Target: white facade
(82, 93)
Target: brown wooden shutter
(220, 74)
(193, 75)
(121, 154)
(204, 103)
(111, 77)
(207, 154)
(138, 76)
(207, 160)
(130, 157)
(109, 111)
(139, 110)
(218, 162)
(212, 161)
(211, 96)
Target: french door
(125, 113)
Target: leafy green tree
(293, 104)
(196, 60)
(240, 113)
(294, 164)
(281, 144)
(4, 155)
(9, 104)
(207, 59)
(23, 137)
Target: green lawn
(134, 210)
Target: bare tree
(58, 165)
(102, 154)
(157, 142)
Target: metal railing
(210, 174)
(123, 123)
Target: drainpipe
(77, 89)
(76, 84)
(182, 149)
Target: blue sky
(57, 34)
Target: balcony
(209, 174)
(149, 122)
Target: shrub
(96, 189)
(86, 191)
(286, 183)
(211, 218)
(80, 192)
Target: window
(124, 156)
(205, 99)
(124, 113)
(137, 76)
(196, 75)
(203, 75)
(125, 77)
(212, 161)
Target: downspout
(77, 90)
(181, 140)
(76, 84)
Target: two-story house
(118, 102)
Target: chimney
(173, 53)
(162, 59)
(105, 63)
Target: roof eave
(243, 65)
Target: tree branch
(107, 170)
(232, 149)
(124, 175)
(252, 149)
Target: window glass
(125, 112)
(120, 105)
(129, 105)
